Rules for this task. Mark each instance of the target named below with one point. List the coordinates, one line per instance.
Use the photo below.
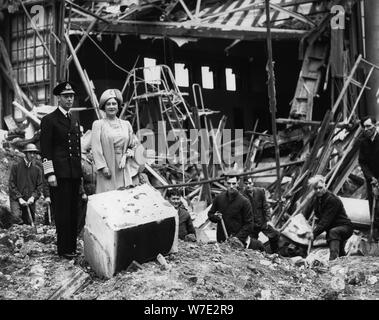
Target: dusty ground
(30, 269)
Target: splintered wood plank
(70, 285)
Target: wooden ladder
(309, 80)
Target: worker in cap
(25, 186)
(113, 146)
(61, 159)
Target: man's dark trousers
(65, 199)
(270, 233)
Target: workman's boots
(342, 249)
(274, 244)
(334, 249)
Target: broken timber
(72, 284)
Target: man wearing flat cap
(61, 159)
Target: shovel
(30, 218)
(375, 192)
(48, 213)
(224, 229)
(310, 241)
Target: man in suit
(61, 159)
(368, 160)
(261, 214)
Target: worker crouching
(331, 217)
(186, 229)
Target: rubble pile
(30, 269)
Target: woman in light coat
(113, 145)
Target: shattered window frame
(29, 59)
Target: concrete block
(126, 225)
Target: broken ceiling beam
(30, 115)
(292, 14)
(188, 12)
(195, 183)
(197, 11)
(8, 71)
(13, 84)
(310, 123)
(83, 77)
(189, 29)
(86, 11)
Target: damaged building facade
(219, 45)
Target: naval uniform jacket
(60, 146)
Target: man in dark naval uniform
(61, 158)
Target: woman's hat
(108, 94)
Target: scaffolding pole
(272, 102)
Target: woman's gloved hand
(106, 172)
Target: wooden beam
(86, 11)
(83, 77)
(226, 12)
(248, 173)
(292, 14)
(189, 14)
(85, 35)
(198, 5)
(16, 88)
(190, 30)
(310, 123)
(8, 71)
(72, 284)
(272, 104)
